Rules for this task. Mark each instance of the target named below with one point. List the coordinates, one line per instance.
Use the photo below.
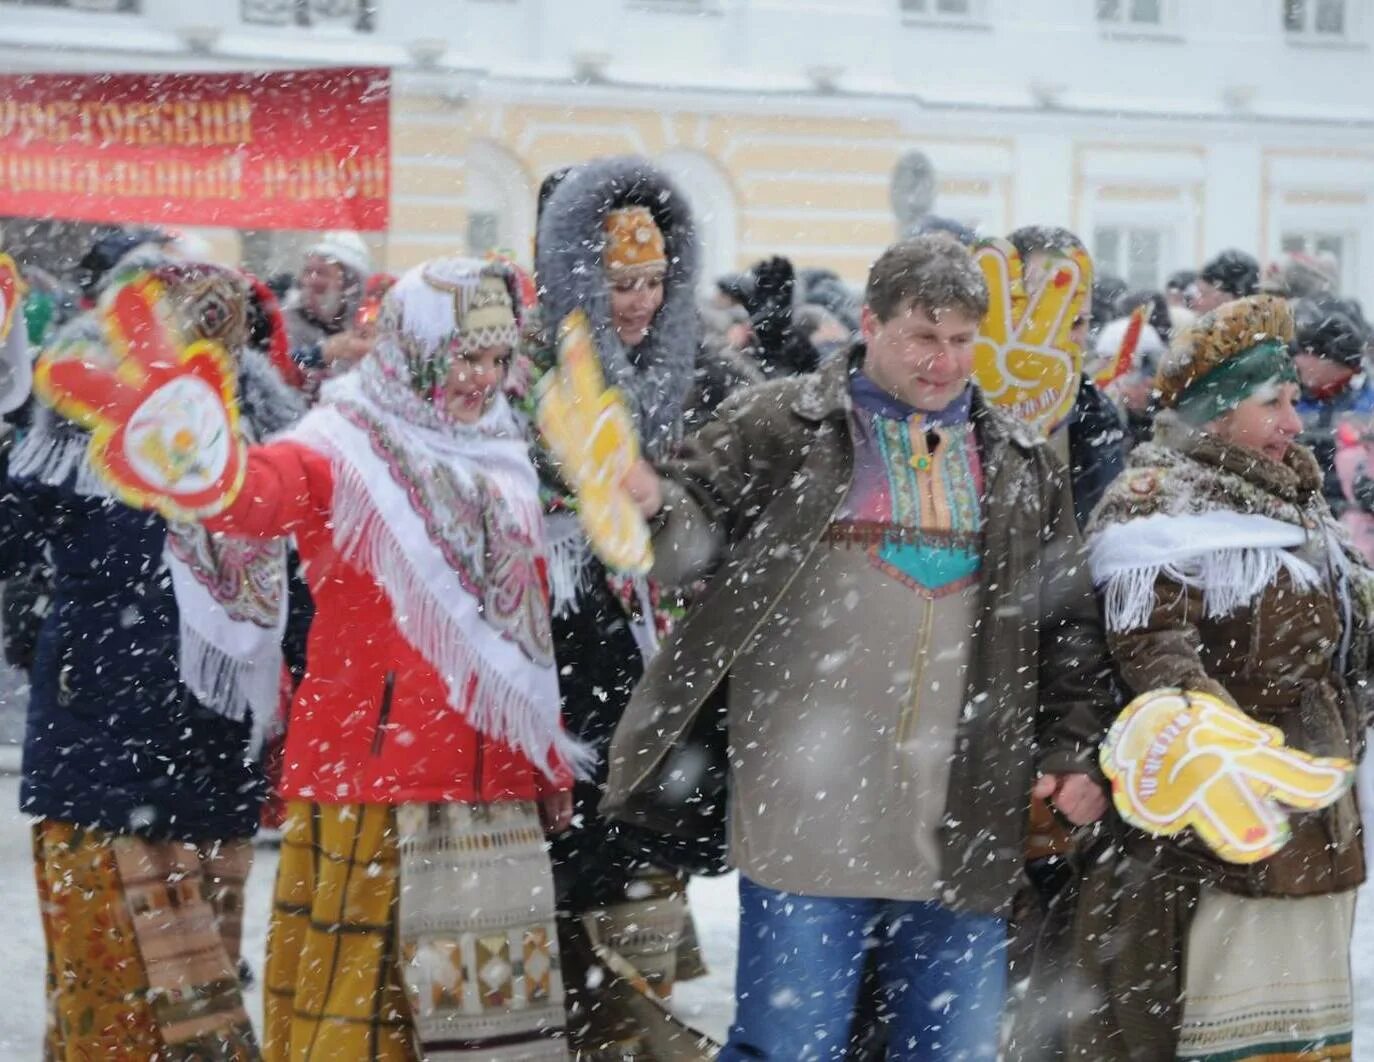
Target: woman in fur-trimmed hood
(1222, 571)
(615, 228)
(616, 240)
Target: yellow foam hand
(163, 414)
(589, 430)
(1179, 759)
(1024, 359)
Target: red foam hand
(163, 414)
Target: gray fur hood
(657, 374)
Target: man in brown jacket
(897, 599)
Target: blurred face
(923, 357)
(635, 300)
(1207, 296)
(474, 379)
(1266, 423)
(322, 287)
(1320, 376)
(1133, 391)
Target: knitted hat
(1325, 327)
(634, 242)
(1300, 276)
(345, 247)
(1234, 272)
(1217, 362)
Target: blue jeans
(943, 977)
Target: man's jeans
(943, 977)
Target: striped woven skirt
(142, 943)
(1268, 980)
(418, 931)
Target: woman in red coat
(414, 908)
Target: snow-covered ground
(706, 1003)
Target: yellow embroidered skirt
(424, 930)
(142, 943)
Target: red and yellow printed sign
(300, 149)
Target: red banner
(302, 149)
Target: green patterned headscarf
(1234, 380)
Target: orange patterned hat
(634, 242)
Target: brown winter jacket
(1275, 660)
(1126, 928)
(762, 483)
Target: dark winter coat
(113, 739)
(764, 481)
(1097, 448)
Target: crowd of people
(887, 628)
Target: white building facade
(1162, 131)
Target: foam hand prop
(1179, 759)
(16, 370)
(163, 415)
(590, 431)
(1121, 364)
(1024, 360)
(12, 290)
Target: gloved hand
(1024, 360)
(1178, 759)
(770, 302)
(589, 430)
(163, 415)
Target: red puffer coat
(371, 722)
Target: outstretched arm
(286, 485)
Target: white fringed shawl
(1229, 557)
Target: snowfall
(707, 1002)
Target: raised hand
(1024, 360)
(163, 415)
(590, 432)
(1181, 759)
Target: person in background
(1108, 291)
(329, 289)
(1328, 349)
(159, 657)
(834, 514)
(1230, 275)
(1178, 285)
(1091, 441)
(1302, 276)
(1133, 390)
(823, 330)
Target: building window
(1135, 253)
(1337, 247)
(1131, 14)
(124, 7)
(677, 7)
(958, 10)
(359, 15)
(1317, 19)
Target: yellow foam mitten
(589, 430)
(163, 414)
(1180, 759)
(1024, 360)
